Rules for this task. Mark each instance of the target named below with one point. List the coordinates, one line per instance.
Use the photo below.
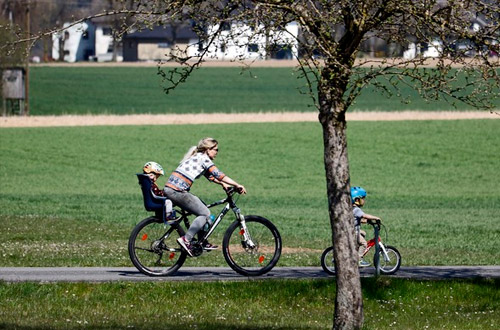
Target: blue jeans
(192, 204)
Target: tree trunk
(348, 302)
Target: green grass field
(133, 90)
(388, 303)
(70, 197)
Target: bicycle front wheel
(153, 248)
(390, 263)
(328, 261)
(253, 252)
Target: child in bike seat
(358, 196)
(154, 171)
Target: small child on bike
(154, 171)
(358, 196)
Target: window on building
(253, 48)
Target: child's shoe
(363, 263)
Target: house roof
(164, 32)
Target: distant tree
(335, 36)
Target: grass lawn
(69, 196)
(134, 90)
(292, 304)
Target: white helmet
(152, 167)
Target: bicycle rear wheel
(257, 255)
(391, 264)
(153, 248)
(328, 261)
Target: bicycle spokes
(252, 247)
(153, 248)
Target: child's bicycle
(251, 245)
(388, 259)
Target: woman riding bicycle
(197, 161)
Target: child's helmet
(357, 192)
(152, 167)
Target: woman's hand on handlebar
(230, 189)
(241, 189)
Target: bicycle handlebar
(374, 222)
(230, 191)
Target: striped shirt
(192, 168)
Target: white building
(432, 49)
(241, 41)
(86, 41)
(83, 42)
(77, 41)
(104, 45)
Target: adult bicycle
(251, 245)
(388, 257)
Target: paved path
(108, 274)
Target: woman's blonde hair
(204, 145)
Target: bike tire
(153, 247)
(252, 261)
(328, 261)
(389, 267)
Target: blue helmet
(357, 192)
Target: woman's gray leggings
(192, 204)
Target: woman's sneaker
(184, 243)
(209, 246)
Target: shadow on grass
(380, 288)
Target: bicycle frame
(371, 243)
(231, 205)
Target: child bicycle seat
(152, 202)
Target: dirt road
(214, 118)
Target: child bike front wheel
(390, 263)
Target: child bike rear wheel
(328, 261)
(153, 247)
(255, 256)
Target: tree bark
(348, 302)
